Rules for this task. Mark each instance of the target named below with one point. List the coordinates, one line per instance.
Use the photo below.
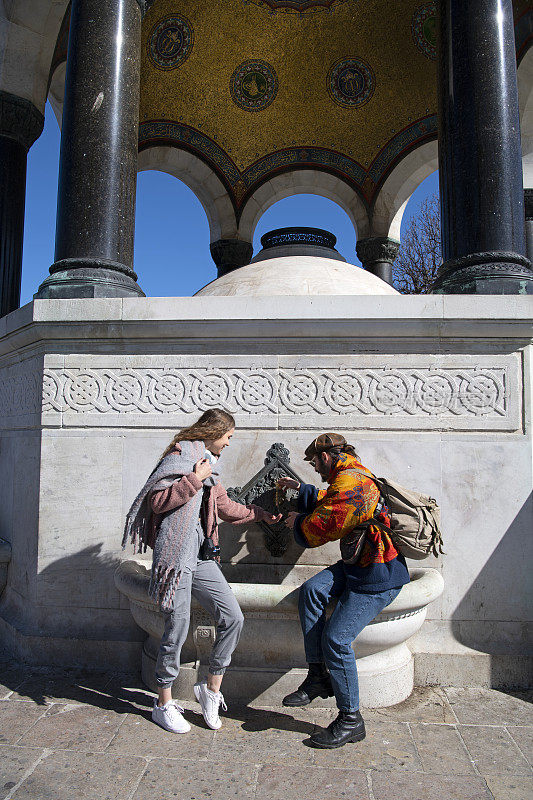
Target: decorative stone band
(464, 274)
(404, 393)
(19, 119)
(300, 235)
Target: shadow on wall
(76, 598)
(492, 617)
(246, 558)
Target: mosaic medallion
(351, 82)
(170, 42)
(253, 85)
(424, 29)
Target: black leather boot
(316, 684)
(348, 726)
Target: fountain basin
(269, 661)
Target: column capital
(230, 254)
(528, 204)
(377, 248)
(19, 119)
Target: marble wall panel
(25, 462)
(21, 393)
(80, 520)
(6, 487)
(487, 509)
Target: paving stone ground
(89, 736)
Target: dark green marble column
(482, 200)
(20, 125)
(377, 255)
(528, 202)
(98, 166)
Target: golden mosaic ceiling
(372, 40)
(256, 87)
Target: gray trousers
(209, 586)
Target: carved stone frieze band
(456, 392)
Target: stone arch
(56, 91)
(392, 198)
(201, 179)
(302, 181)
(30, 39)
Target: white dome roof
(297, 275)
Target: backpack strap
(379, 483)
(381, 502)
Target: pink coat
(219, 505)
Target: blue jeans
(330, 640)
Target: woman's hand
(202, 469)
(287, 483)
(291, 517)
(271, 519)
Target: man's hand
(291, 518)
(287, 483)
(202, 469)
(271, 519)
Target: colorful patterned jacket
(349, 501)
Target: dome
(297, 261)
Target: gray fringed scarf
(176, 535)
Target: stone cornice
(19, 119)
(290, 325)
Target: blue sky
(172, 255)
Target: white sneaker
(170, 717)
(210, 703)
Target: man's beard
(324, 471)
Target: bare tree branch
(420, 255)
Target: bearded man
(368, 577)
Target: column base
(85, 277)
(485, 273)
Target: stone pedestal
(230, 254)
(269, 661)
(98, 164)
(480, 159)
(377, 255)
(20, 125)
(426, 388)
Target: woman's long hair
(213, 424)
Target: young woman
(176, 513)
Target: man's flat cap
(323, 443)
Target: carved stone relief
(458, 391)
(261, 490)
